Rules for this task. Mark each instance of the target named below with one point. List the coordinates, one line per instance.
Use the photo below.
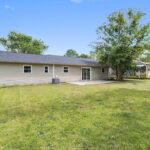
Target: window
(66, 69)
(103, 70)
(46, 69)
(27, 69)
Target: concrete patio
(91, 82)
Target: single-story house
(144, 67)
(18, 68)
(141, 70)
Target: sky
(63, 24)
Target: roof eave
(42, 63)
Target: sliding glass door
(86, 73)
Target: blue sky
(62, 24)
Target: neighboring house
(144, 68)
(17, 68)
(141, 70)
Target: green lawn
(112, 116)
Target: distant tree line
(22, 43)
(74, 53)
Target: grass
(68, 117)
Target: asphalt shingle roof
(45, 59)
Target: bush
(143, 75)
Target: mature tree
(93, 54)
(21, 43)
(71, 53)
(121, 40)
(147, 58)
(84, 56)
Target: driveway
(90, 82)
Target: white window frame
(44, 70)
(90, 72)
(64, 69)
(27, 72)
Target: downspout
(53, 71)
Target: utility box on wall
(55, 80)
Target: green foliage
(74, 53)
(84, 56)
(146, 58)
(67, 117)
(71, 53)
(143, 75)
(21, 43)
(93, 54)
(121, 40)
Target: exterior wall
(12, 73)
(74, 73)
(97, 73)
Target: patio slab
(91, 82)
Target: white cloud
(8, 7)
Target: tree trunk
(119, 74)
(116, 73)
(120, 77)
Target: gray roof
(45, 59)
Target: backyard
(112, 116)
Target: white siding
(12, 73)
